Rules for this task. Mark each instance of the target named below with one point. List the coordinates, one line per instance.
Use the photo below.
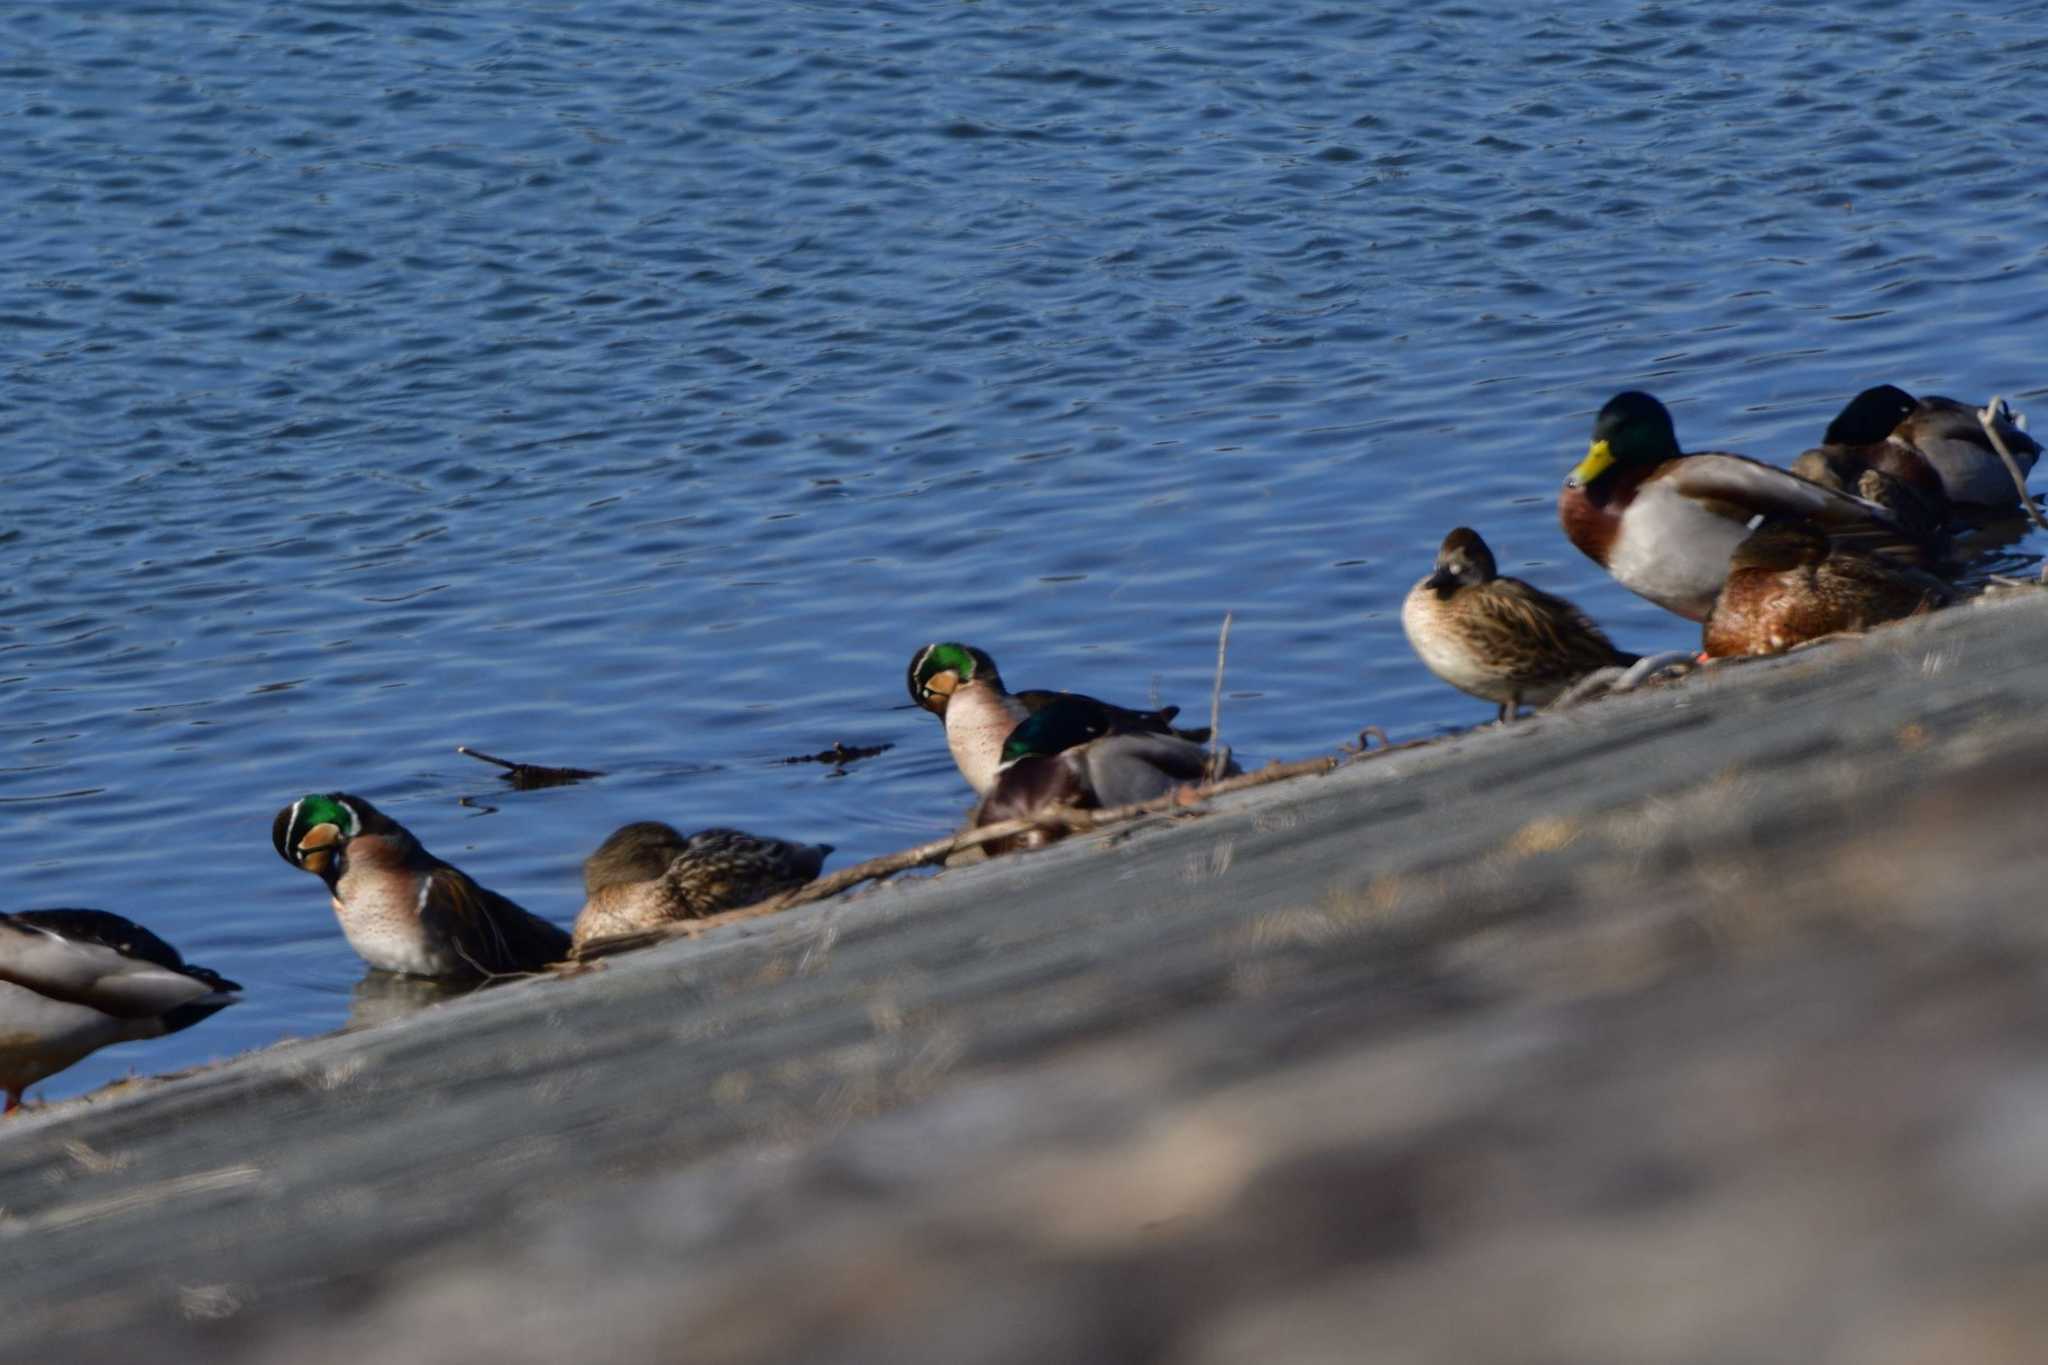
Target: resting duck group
(1856, 533)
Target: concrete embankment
(1706, 1024)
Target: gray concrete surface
(1703, 1025)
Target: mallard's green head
(311, 830)
(1634, 429)
(1870, 416)
(1055, 727)
(1463, 560)
(937, 671)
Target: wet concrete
(1700, 1025)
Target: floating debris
(529, 776)
(840, 754)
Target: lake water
(636, 386)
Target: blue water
(636, 386)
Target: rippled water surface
(635, 387)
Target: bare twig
(1218, 756)
(1988, 419)
(840, 754)
(1362, 749)
(1066, 818)
(527, 776)
(1615, 679)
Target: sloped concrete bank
(1705, 1024)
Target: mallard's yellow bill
(1599, 459)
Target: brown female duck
(1497, 638)
(647, 874)
(1788, 584)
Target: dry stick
(1065, 818)
(1214, 767)
(529, 776)
(1987, 419)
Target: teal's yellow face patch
(1599, 459)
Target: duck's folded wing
(1540, 635)
(1937, 422)
(80, 967)
(1116, 719)
(496, 933)
(1755, 489)
(1124, 769)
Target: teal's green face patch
(329, 810)
(937, 671)
(312, 829)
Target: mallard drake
(1067, 754)
(74, 981)
(647, 874)
(1664, 522)
(401, 908)
(1788, 584)
(1933, 445)
(1499, 638)
(961, 686)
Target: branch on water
(840, 754)
(1067, 819)
(528, 776)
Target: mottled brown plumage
(648, 874)
(1497, 638)
(1788, 584)
(1857, 455)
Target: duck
(961, 685)
(73, 981)
(401, 908)
(1068, 754)
(1664, 521)
(1789, 583)
(1500, 639)
(1858, 455)
(648, 874)
(1934, 445)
